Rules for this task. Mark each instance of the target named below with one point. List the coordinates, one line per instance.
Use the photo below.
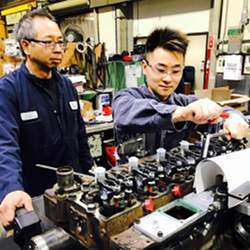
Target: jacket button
(55, 111)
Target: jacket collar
(32, 78)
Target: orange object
(149, 205)
(177, 191)
(150, 189)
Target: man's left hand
(235, 127)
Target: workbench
(99, 127)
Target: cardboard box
(225, 97)
(87, 110)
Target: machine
(148, 205)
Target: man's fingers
(7, 214)
(214, 121)
(227, 133)
(11, 202)
(236, 127)
(204, 111)
(28, 204)
(228, 136)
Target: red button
(149, 205)
(177, 191)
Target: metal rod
(207, 141)
(55, 169)
(220, 133)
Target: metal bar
(55, 169)
(207, 141)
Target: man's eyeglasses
(49, 44)
(162, 72)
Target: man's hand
(235, 127)
(200, 112)
(11, 202)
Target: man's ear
(144, 65)
(25, 46)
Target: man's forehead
(167, 59)
(161, 53)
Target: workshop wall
(179, 14)
(107, 28)
(148, 14)
(231, 16)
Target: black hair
(168, 39)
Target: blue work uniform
(36, 129)
(137, 110)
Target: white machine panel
(168, 220)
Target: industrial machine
(147, 204)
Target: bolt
(137, 221)
(160, 234)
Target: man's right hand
(11, 202)
(202, 111)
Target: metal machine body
(150, 206)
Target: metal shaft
(207, 141)
(55, 169)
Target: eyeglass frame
(167, 72)
(49, 44)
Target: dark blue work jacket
(34, 130)
(137, 110)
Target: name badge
(73, 105)
(27, 116)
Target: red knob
(149, 205)
(177, 191)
